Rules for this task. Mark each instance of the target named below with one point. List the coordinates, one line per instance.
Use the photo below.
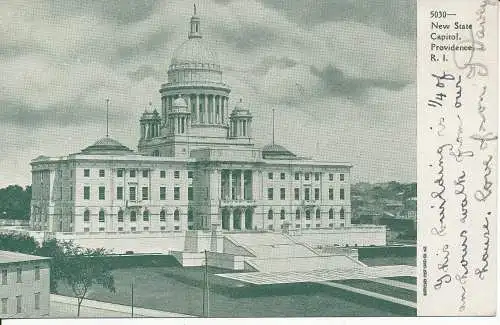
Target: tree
(15, 202)
(18, 242)
(79, 267)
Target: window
(163, 216)
(297, 176)
(270, 175)
(190, 193)
(330, 225)
(177, 193)
(308, 226)
(133, 216)
(102, 195)
(342, 194)
(120, 216)
(145, 193)
(86, 215)
(86, 229)
(307, 194)
(4, 276)
(297, 226)
(177, 228)
(342, 213)
(282, 193)
(306, 176)
(132, 173)
(330, 214)
(318, 225)
(163, 193)
(86, 192)
(341, 225)
(162, 228)
(316, 193)
(270, 193)
(145, 215)
(101, 173)
(297, 214)
(341, 177)
(270, 227)
(296, 193)
(101, 229)
(119, 193)
(133, 229)
(119, 173)
(282, 176)
(131, 193)
(5, 302)
(282, 214)
(145, 173)
(330, 176)
(37, 273)
(270, 214)
(176, 215)
(19, 302)
(163, 174)
(177, 174)
(190, 215)
(316, 176)
(146, 228)
(71, 193)
(308, 214)
(120, 228)
(86, 173)
(101, 216)
(330, 193)
(19, 275)
(190, 174)
(318, 214)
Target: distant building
(24, 285)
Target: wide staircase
(276, 252)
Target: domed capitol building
(196, 172)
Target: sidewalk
(63, 307)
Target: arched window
(318, 214)
(133, 216)
(190, 215)
(145, 215)
(86, 215)
(342, 214)
(270, 214)
(176, 215)
(282, 214)
(308, 214)
(101, 216)
(297, 214)
(120, 216)
(163, 215)
(330, 214)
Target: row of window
(132, 191)
(307, 176)
(132, 173)
(271, 227)
(146, 215)
(270, 214)
(134, 229)
(19, 275)
(19, 304)
(307, 194)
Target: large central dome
(194, 51)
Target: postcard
(248, 159)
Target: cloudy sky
(341, 75)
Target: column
(188, 101)
(242, 184)
(221, 100)
(242, 219)
(218, 117)
(178, 125)
(230, 184)
(205, 116)
(198, 108)
(213, 109)
(226, 105)
(231, 220)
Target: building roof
(276, 151)
(7, 257)
(194, 51)
(106, 146)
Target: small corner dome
(179, 102)
(276, 151)
(106, 146)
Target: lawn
(179, 290)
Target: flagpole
(107, 117)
